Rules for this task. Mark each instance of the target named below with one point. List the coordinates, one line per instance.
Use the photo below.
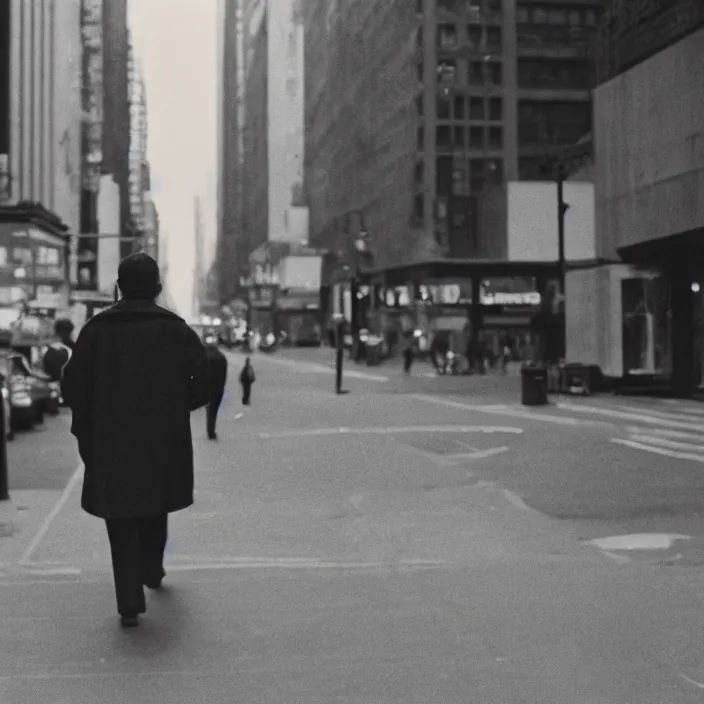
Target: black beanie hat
(138, 277)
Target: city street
(405, 542)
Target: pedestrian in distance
(217, 364)
(247, 378)
(136, 373)
(408, 355)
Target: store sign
(510, 299)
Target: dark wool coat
(217, 363)
(136, 373)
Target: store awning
(683, 251)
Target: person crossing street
(217, 363)
(247, 378)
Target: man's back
(136, 373)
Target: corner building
(642, 311)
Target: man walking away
(136, 373)
(58, 353)
(217, 363)
(247, 378)
(408, 355)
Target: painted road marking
(476, 455)
(641, 417)
(314, 368)
(667, 444)
(505, 410)
(393, 430)
(659, 450)
(245, 564)
(46, 525)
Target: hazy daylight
(176, 42)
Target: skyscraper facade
(412, 109)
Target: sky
(175, 40)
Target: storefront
(493, 302)
(33, 257)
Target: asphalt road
(368, 548)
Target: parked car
(31, 393)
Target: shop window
(447, 36)
(459, 137)
(495, 109)
(443, 109)
(459, 107)
(476, 108)
(496, 138)
(476, 138)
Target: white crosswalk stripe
(677, 433)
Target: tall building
(646, 291)
(412, 109)
(116, 102)
(138, 173)
(40, 123)
(198, 266)
(232, 246)
(273, 37)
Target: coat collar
(133, 310)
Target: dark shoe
(212, 436)
(129, 620)
(154, 582)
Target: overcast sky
(176, 42)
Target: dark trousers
(211, 412)
(137, 547)
(246, 393)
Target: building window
(476, 108)
(494, 7)
(495, 170)
(475, 36)
(522, 15)
(575, 18)
(476, 138)
(419, 7)
(446, 71)
(557, 15)
(421, 138)
(540, 15)
(476, 73)
(419, 37)
(590, 18)
(447, 36)
(419, 171)
(443, 137)
(495, 73)
(493, 38)
(496, 138)
(476, 168)
(495, 109)
(420, 72)
(547, 73)
(418, 206)
(419, 106)
(459, 136)
(448, 5)
(459, 111)
(443, 109)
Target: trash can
(534, 386)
